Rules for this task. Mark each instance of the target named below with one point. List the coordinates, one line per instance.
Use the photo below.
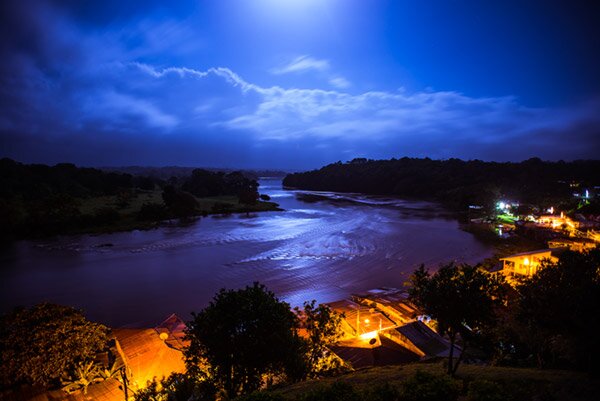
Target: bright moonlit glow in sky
(295, 84)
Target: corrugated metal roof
(387, 353)
(368, 319)
(425, 339)
(147, 356)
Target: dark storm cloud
(92, 83)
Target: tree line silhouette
(38, 200)
(454, 182)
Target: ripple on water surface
(323, 246)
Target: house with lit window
(525, 264)
(577, 245)
(557, 222)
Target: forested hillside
(454, 182)
(37, 200)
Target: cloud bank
(99, 97)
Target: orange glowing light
(369, 336)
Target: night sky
(295, 84)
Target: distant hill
(455, 182)
(164, 173)
(38, 181)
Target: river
(323, 246)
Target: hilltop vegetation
(426, 382)
(164, 173)
(453, 182)
(38, 200)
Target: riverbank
(503, 246)
(138, 210)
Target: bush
(342, 391)
(106, 215)
(177, 387)
(152, 212)
(338, 391)
(382, 392)
(429, 387)
(221, 207)
(182, 204)
(485, 390)
(261, 396)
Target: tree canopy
(323, 328)
(559, 306)
(41, 344)
(243, 336)
(461, 298)
(454, 182)
(203, 183)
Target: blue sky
(295, 84)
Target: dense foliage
(46, 342)
(557, 310)
(248, 338)
(243, 337)
(426, 382)
(203, 183)
(422, 386)
(455, 182)
(38, 200)
(323, 328)
(461, 298)
(548, 320)
(38, 181)
(178, 387)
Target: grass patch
(207, 205)
(133, 205)
(517, 383)
(127, 209)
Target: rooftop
(387, 352)
(368, 319)
(536, 252)
(174, 328)
(425, 339)
(147, 356)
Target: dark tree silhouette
(461, 298)
(41, 344)
(182, 204)
(454, 182)
(323, 326)
(559, 308)
(244, 335)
